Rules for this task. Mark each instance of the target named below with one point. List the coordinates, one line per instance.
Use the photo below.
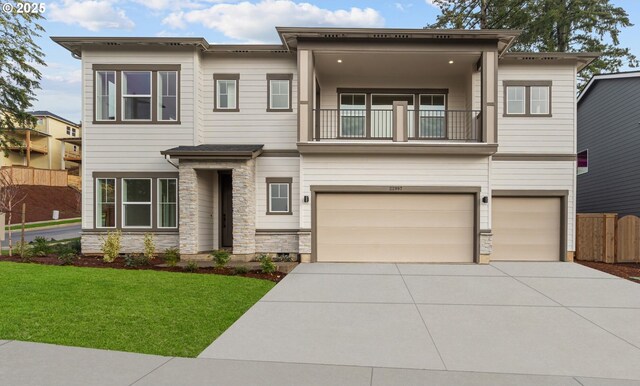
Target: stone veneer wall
(485, 243)
(244, 203)
(132, 242)
(304, 243)
(273, 242)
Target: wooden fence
(606, 238)
(33, 176)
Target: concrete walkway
(377, 324)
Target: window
(74, 132)
(40, 122)
(226, 92)
(75, 148)
(279, 195)
(279, 92)
(515, 100)
(136, 95)
(167, 202)
(539, 100)
(167, 95)
(147, 94)
(68, 130)
(583, 162)
(527, 98)
(136, 202)
(105, 202)
(432, 116)
(353, 115)
(105, 95)
(71, 131)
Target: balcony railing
(377, 124)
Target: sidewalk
(24, 363)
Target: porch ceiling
(391, 66)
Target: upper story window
(353, 115)
(136, 93)
(226, 92)
(105, 96)
(583, 162)
(71, 131)
(279, 92)
(167, 95)
(527, 98)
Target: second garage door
(526, 228)
(379, 227)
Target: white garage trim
(397, 190)
(563, 195)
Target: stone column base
(305, 258)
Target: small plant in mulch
(135, 260)
(111, 246)
(40, 247)
(171, 256)
(66, 253)
(267, 265)
(240, 270)
(220, 258)
(149, 246)
(191, 266)
(24, 251)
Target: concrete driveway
(553, 319)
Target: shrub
(221, 258)
(40, 247)
(149, 246)
(135, 260)
(266, 264)
(191, 266)
(171, 256)
(76, 245)
(111, 246)
(66, 252)
(67, 258)
(23, 250)
(240, 270)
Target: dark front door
(226, 211)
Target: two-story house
(366, 145)
(53, 143)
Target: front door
(226, 210)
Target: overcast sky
(219, 21)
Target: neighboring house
(54, 143)
(338, 144)
(609, 144)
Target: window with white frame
(167, 202)
(539, 100)
(583, 162)
(105, 95)
(136, 95)
(226, 92)
(136, 203)
(279, 94)
(516, 100)
(530, 98)
(167, 95)
(279, 195)
(105, 202)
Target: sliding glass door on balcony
(382, 114)
(353, 116)
(432, 117)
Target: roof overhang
(291, 35)
(76, 44)
(618, 75)
(32, 131)
(219, 152)
(581, 59)
(71, 140)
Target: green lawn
(32, 225)
(164, 313)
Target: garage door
(526, 228)
(378, 227)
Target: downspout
(168, 159)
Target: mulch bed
(623, 270)
(96, 262)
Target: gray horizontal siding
(609, 127)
